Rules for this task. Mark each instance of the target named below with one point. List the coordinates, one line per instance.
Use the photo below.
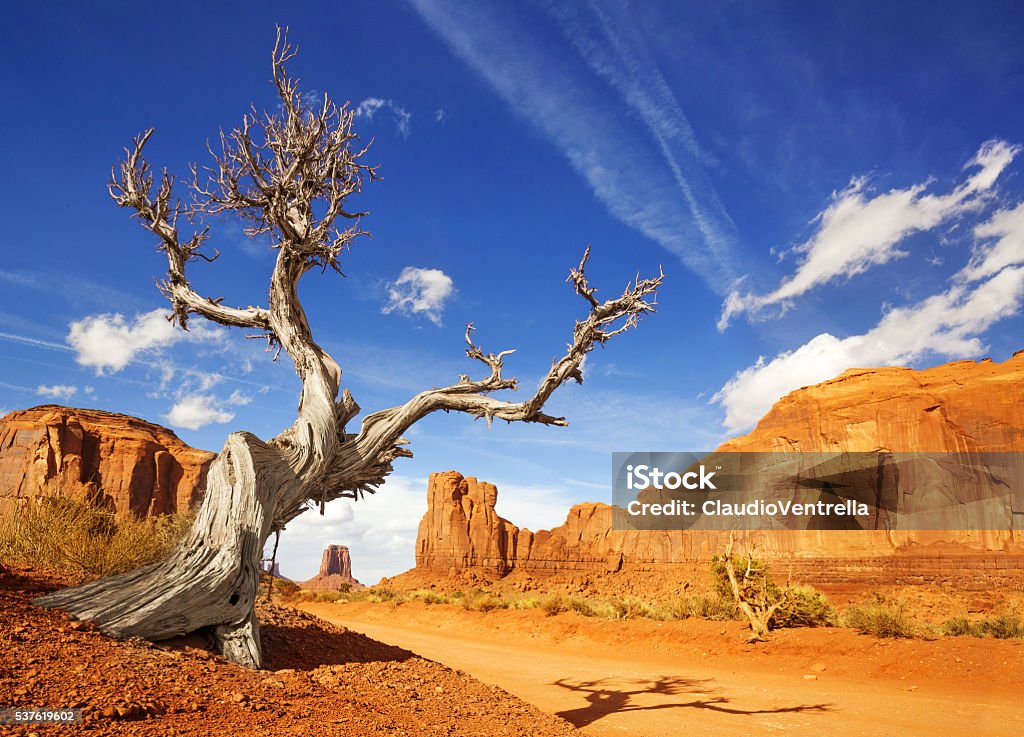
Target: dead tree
(756, 596)
(288, 175)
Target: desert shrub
(629, 608)
(525, 602)
(555, 605)
(71, 534)
(582, 607)
(714, 607)
(960, 627)
(1004, 627)
(382, 595)
(283, 589)
(882, 620)
(805, 606)
(792, 606)
(429, 597)
(483, 602)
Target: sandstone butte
(335, 571)
(126, 464)
(960, 406)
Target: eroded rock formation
(961, 406)
(335, 571)
(127, 464)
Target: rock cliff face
(127, 464)
(961, 406)
(335, 571)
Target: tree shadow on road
(608, 696)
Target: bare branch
(289, 173)
(132, 186)
(380, 431)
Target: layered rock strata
(126, 464)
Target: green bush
(801, 606)
(805, 607)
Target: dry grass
(885, 620)
(1005, 626)
(73, 535)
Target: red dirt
(321, 680)
(650, 678)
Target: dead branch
(277, 170)
(379, 440)
(132, 186)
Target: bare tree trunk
(210, 580)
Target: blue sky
(826, 187)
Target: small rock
(818, 668)
(810, 677)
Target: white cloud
(372, 105)
(197, 410)
(857, 231)
(439, 115)
(420, 292)
(109, 342)
(58, 391)
(949, 324)
(651, 177)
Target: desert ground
(694, 677)
(319, 680)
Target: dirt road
(631, 689)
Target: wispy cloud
(369, 107)
(857, 231)
(650, 177)
(950, 323)
(63, 392)
(420, 292)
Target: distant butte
(335, 571)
